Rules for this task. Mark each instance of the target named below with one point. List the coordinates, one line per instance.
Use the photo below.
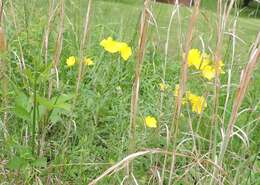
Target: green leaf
(22, 113)
(45, 102)
(55, 116)
(61, 101)
(65, 97)
(21, 100)
(64, 106)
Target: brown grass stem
(51, 14)
(58, 49)
(135, 155)
(83, 44)
(245, 79)
(138, 68)
(222, 17)
(183, 80)
(21, 59)
(3, 70)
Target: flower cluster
(113, 46)
(202, 62)
(71, 61)
(198, 103)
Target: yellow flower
(88, 62)
(194, 58)
(71, 61)
(198, 103)
(125, 52)
(163, 87)
(110, 45)
(151, 122)
(113, 46)
(208, 72)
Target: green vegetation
(72, 139)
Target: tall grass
(78, 123)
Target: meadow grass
(81, 133)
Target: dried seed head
(2, 40)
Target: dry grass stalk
(135, 155)
(222, 17)
(55, 63)
(21, 59)
(1, 10)
(245, 79)
(2, 41)
(218, 56)
(3, 69)
(83, 43)
(138, 68)
(166, 50)
(242, 89)
(58, 49)
(174, 11)
(183, 80)
(51, 15)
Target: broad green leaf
(45, 102)
(56, 115)
(21, 100)
(22, 113)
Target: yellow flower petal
(113, 46)
(126, 52)
(71, 61)
(194, 58)
(198, 103)
(110, 45)
(151, 122)
(208, 72)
